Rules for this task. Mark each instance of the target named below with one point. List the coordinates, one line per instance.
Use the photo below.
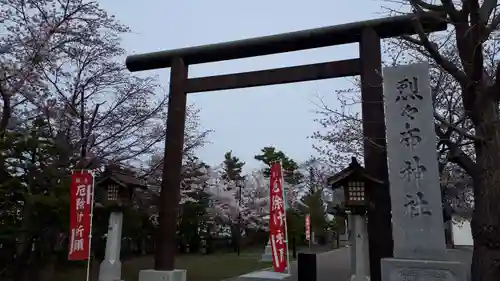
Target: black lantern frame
(116, 186)
(355, 183)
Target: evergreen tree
(270, 155)
(232, 167)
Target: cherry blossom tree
(232, 205)
(195, 177)
(63, 61)
(64, 83)
(251, 204)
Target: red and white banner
(277, 219)
(81, 204)
(308, 227)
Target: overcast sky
(245, 120)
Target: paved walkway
(331, 266)
(334, 265)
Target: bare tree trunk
(234, 237)
(485, 230)
(22, 261)
(486, 217)
(47, 248)
(6, 112)
(24, 253)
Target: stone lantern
(115, 188)
(350, 188)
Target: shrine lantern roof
(353, 172)
(121, 176)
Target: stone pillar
(267, 256)
(111, 267)
(418, 229)
(351, 242)
(361, 266)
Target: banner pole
(90, 232)
(286, 207)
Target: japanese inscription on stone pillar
(418, 229)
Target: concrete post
(362, 265)
(111, 267)
(351, 242)
(267, 256)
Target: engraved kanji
(408, 89)
(411, 136)
(413, 170)
(409, 111)
(417, 205)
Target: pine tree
(290, 168)
(232, 167)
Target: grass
(214, 267)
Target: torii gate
(367, 33)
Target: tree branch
(450, 9)
(456, 154)
(447, 65)
(495, 87)
(455, 129)
(427, 6)
(486, 9)
(465, 9)
(411, 40)
(495, 22)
